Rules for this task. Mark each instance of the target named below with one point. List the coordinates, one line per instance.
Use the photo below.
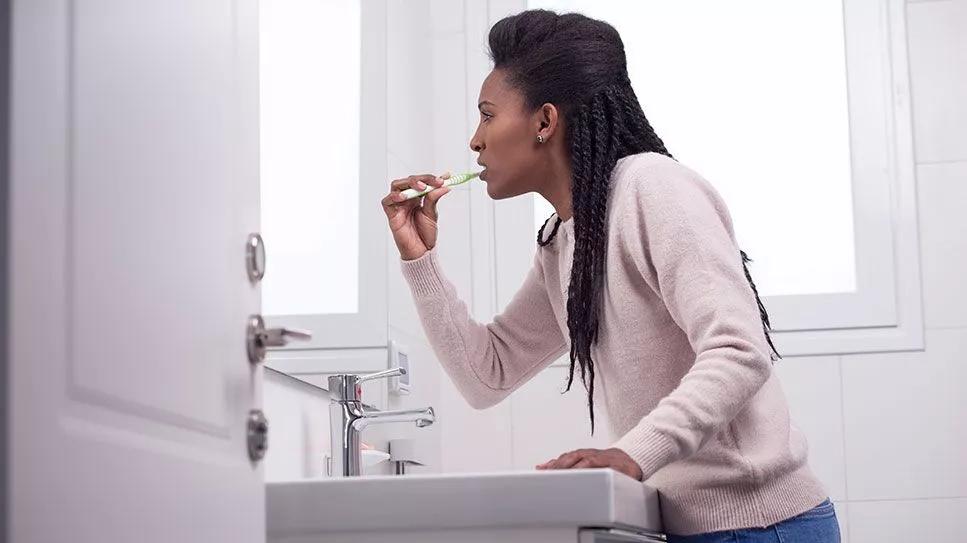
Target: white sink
(468, 506)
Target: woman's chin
(497, 190)
(490, 188)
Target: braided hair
(578, 64)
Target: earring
(540, 138)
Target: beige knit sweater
(681, 357)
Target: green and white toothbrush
(409, 194)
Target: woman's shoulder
(629, 165)
(637, 160)
(652, 181)
(652, 173)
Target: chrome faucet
(349, 416)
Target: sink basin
(460, 505)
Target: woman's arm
(486, 362)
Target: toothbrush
(409, 194)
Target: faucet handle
(392, 372)
(341, 385)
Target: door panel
(151, 187)
(134, 184)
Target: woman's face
(506, 140)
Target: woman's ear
(548, 120)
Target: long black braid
(578, 64)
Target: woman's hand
(414, 222)
(615, 459)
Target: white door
(133, 187)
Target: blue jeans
(818, 525)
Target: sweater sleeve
(687, 252)
(486, 362)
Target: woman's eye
(486, 116)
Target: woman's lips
(483, 174)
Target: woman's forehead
(496, 91)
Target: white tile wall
(942, 195)
(904, 521)
(905, 433)
(937, 46)
(842, 515)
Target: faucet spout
(422, 417)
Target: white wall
(298, 415)
(885, 429)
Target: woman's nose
(475, 145)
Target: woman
(640, 278)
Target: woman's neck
(557, 190)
